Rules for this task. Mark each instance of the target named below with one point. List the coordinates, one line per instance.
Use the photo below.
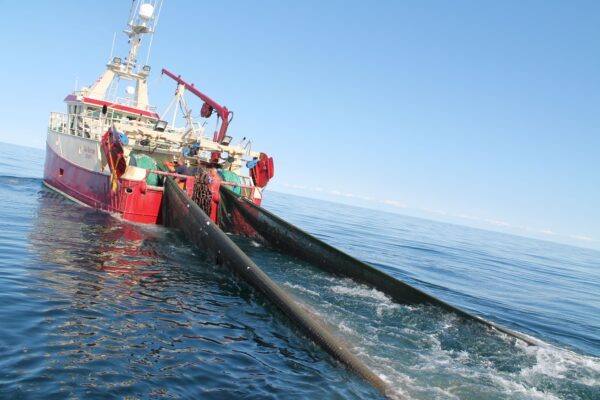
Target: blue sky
(480, 113)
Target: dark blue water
(94, 307)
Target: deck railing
(124, 101)
(89, 127)
(93, 127)
(247, 188)
(129, 102)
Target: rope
(113, 172)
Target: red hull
(133, 200)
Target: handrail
(123, 101)
(94, 126)
(173, 174)
(237, 185)
(250, 188)
(129, 102)
(176, 175)
(189, 180)
(247, 191)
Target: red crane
(208, 106)
(263, 170)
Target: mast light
(146, 11)
(226, 140)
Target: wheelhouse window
(92, 112)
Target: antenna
(112, 48)
(152, 37)
(142, 20)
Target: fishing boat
(112, 150)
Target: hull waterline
(133, 200)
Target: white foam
(510, 386)
(557, 363)
(431, 370)
(361, 291)
(443, 393)
(301, 289)
(384, 308)
(345, 328)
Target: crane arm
(222, 111)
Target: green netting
(229, 176)
(146, 162)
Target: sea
(94, 307)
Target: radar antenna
(142, 20)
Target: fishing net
(232, 177)
(146, 162)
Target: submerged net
(244, 217)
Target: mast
(142, 21)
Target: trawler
(112, 150)
(112, 153)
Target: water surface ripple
(94, 307)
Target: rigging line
(149, 49)
(154, 30)
(129, 18)
(156, 79)
(217, 125)
(112, 48)
(158, 15)
(182, 108)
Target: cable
(153, 30)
